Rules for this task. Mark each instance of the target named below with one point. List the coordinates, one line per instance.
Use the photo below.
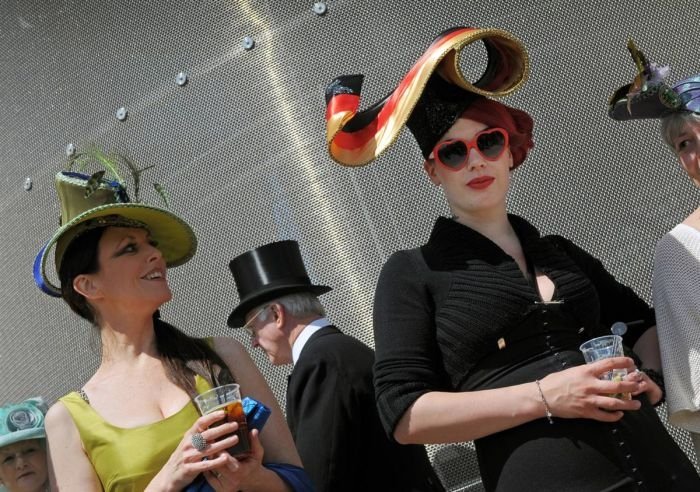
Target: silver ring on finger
(199, 442)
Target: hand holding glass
(227, 398)
(603, 348)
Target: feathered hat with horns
(649, 96)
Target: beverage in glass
(227, 398)
(603, 348)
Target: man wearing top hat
(330, 405)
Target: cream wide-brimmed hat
(91, 201)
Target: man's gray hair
(299, 305)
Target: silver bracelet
(547, 410)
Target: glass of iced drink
(602, 348)
(227, 398)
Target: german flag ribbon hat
(428, 100)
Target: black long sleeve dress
(458, 315)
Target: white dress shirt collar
(304, 336)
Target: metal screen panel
(241, 149)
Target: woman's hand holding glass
(186, 462)
(232, 473)
(579, 392)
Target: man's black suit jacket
(332, 412)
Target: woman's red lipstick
(481, 182)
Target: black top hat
(268, 272)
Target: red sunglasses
(454, 154)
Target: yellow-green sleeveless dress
(126, 460)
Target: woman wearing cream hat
(133, 425)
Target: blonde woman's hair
(673, 125)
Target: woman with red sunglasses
(477, 332)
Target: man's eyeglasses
(249, 324)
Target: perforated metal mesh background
(241, 148)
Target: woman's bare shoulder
(58, 420)
(228, 347)
(237, 358)
(57, 414)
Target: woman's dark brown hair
(182, 355)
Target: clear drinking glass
(227, 398)
(603, 348)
